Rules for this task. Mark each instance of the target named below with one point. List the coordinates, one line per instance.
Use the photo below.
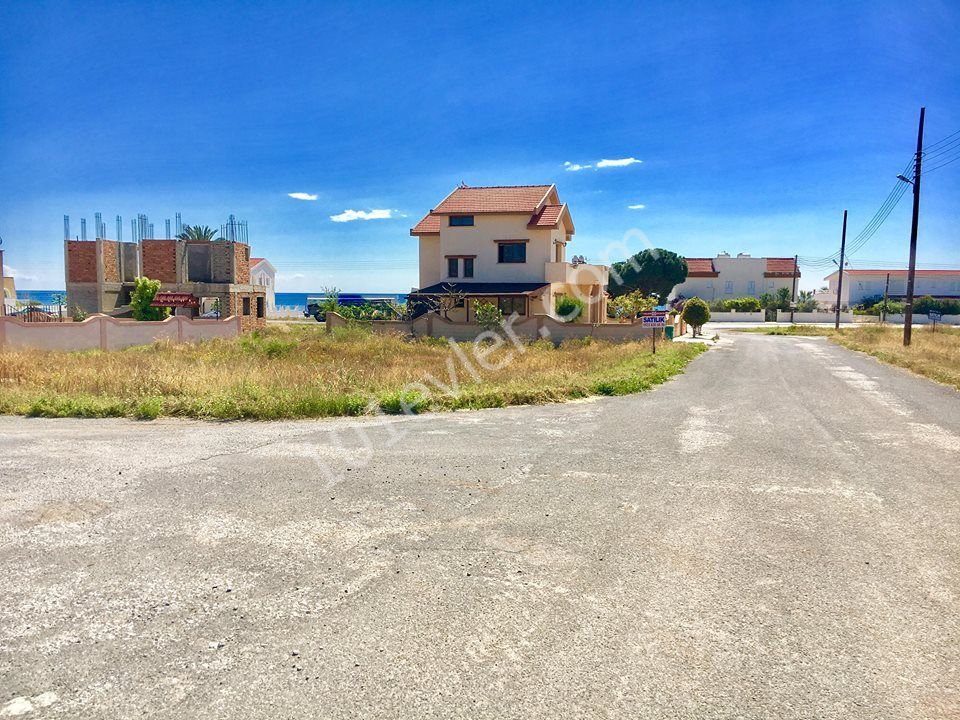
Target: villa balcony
(576, 274)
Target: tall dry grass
(935, 355)
(292, 371)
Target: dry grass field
(935, 355)
(301, 371)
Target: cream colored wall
(107, 333)
(262, 275)
(738, 271)
(431, 263)
(533, 327)
(858, 287)
(480, 240)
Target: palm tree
(200, 233)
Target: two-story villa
(506, 245)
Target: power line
(941, 141)
(942, 164)
(948, 148)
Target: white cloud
(302, 196)
(636, 207)
(622, 162)
(350, 215)
(17, 275)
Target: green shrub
(148, 408)
(695, 313)
(488, 315)
(950, 306)
(925, 305)
(144, 290)
(742, 304)
(569, 308)
(403, 401)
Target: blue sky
(756, 124)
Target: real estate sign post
(654, 319)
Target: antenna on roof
(463, 184)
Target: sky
(332, 128)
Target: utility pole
(843, 249)
(911, 274)
(793, 294)
(886, 293)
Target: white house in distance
(725, 277)
(263, 273)
(506, 245)
(859, 285)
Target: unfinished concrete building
(195, 276)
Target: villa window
(461, 221)
(453, 267)
(728, 287)
(246, 306)
(752, 287)
(468, 267)
(510, 305)
(512, 252)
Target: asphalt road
(774, 534)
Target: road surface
(774, 534)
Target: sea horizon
(282, 299)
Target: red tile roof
(701, 267)
(254, 261)
(502, 199)
(781, 267)
(548, 216)
(429, 225)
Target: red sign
(175, 300)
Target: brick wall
(110, 255)
(249, 321)
(81, 261)
(241, 273)
(159, 260)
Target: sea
(291, 300)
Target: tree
(199, 233)
(805, 301)
(449, 300)
(695, 313)
(652, 272)
(144, 290)
(630, 305)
